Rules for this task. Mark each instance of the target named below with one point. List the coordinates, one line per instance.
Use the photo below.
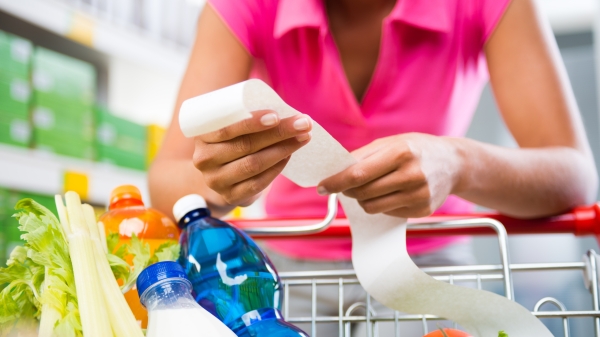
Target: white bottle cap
(187, 204)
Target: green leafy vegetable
(166, 252)
(142, 258)
(502, 334)
(38, 275)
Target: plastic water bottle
(231, 276)
(166, 293)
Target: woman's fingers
(216, 154)
(243, 192)
(412, 203)
(297, 128)
(405, 178)
(260, 121)
(359, 174)
(254, 164)
(240, 160)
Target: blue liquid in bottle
(231, 276)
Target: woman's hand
(408, 175)
(241, 160)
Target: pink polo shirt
(429, 76)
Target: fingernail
(322, 190)
(301, 124)
(304, 137)
(268, 119)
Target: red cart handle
(580, 221)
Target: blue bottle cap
(158, 272)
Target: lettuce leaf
(141, 256)
(141, 259)
(166, 252)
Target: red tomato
(448, 332)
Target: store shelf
(570, 16)
(106, 37)
(41, 172)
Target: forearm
(170, 179)
(526, 182)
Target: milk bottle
(166, 293)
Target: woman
(397, 83)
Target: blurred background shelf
(122, 40)
(41, 172)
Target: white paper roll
(379, 254)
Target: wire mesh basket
(362, 316)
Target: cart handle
(580, 221)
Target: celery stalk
(121, 318)
(92, 307)
(102, 231)
(50, 315)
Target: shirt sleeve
(491, 13)
(240, 16)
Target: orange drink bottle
(126, 216)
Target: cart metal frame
(477, 274)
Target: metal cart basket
(580, 221)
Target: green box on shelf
(118, 133)
(58, 120)
(63, 143)
(4, 201)
(115, 156)
(63, 76)
(15, 95)
(14, 110)
(15, 131)
(8, 77)
(9, 115)
(65, 104)
(15, 54)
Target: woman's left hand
(408, 175)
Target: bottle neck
(168, 294)
(123, 203)
(192, 216)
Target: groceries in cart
(166, 293)
(68, 277)
(231, 276)
(61, 278)
(128, 217)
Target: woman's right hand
(241, 160)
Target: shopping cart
(581, 222)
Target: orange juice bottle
(127, 215)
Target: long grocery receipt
(379, 255)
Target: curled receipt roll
(379, 255)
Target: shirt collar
(433, 15)
(430, 15)
(293, 14)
